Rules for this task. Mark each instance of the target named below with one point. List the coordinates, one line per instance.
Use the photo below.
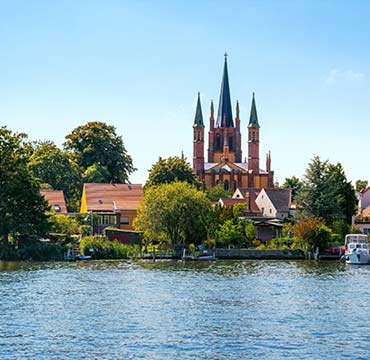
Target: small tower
(198, 141)
(253, 140)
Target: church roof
(198, 120)
(225, 116)
(253, 119)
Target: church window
(218, 143)
(226, 185)
(198, 135)
(231, 143)
(253, 136)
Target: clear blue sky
(138, 65)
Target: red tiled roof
(252, 196)
(112, 197)
(56, 201)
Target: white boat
(357, 249)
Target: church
(225, 163)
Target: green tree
(229, 233)
(63, 224)
(326, 192)
(96, 174)
(249, 230)
(172, 169)
(177, 210)
(56, 169)
(216, 192)
(294, 184)
(97, 143)
(361, 185)
(22, 208)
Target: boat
(357, 249)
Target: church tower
(225, 165)
(198, 141)
(222, 132)
(253, 142)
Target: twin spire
(224, 115)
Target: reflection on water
(199, 310)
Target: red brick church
(225, 164)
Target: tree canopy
(327, 193)
(294, 184)
(55, 167)
(170, 170)
(22, 208)
(361, 185)
(97, 144)
(175, 211)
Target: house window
(57, 208)
(107, 219)
(270, 211)
(366, 231)
(124, 220)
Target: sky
(138, 65)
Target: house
(56, 200)
(364, 202)
(274, 203)
(114, 205)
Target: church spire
(225, 116)
(253, 119)
(198, 120)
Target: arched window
(218, 142)
(226, 185)
(231, 143)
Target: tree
(361, 185)
(230, 234)
(249, 230)
(177, 211)
(170, 170)
(217, 192)
(97, 143)
(63, 224)
(55, 167)
(294, 184)
(22, 208)
(326, 192)
(311, 233)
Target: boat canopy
(356, 238)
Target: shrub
(280, 243)
(8, 253)
(39, 251)
(106, 249)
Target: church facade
(225, 163)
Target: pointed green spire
(198, 120)
(225, 116)
(253, 119)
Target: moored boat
(357, 249)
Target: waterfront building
(113, 205)
(225, 163)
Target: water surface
(172, 310)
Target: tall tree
(177, 211)
(361, 185)
(97, 144)
(22, 208)
(326, 192)
(169, 170)
(56, 168)
(294, 184)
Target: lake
(175, 310)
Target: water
(172, 310)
